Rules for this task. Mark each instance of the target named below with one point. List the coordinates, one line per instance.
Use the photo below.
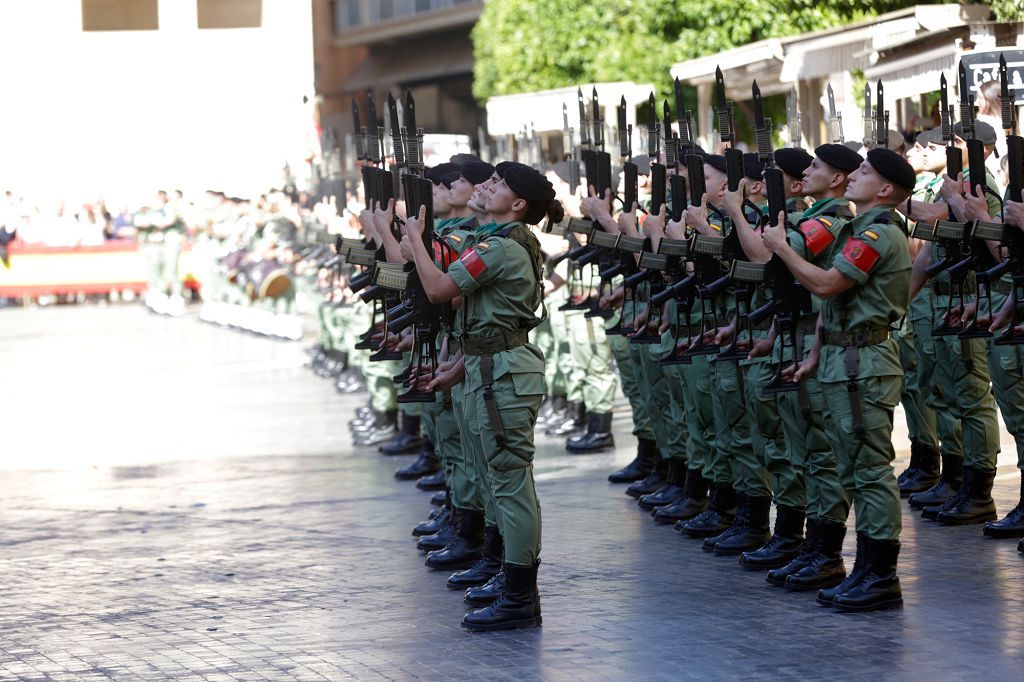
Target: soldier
(162, 232)
(499, 279)
(960, 377)
(864, 293)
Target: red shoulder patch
(862, 256)
(473, 263)
(817, 235)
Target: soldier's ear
(887, 190)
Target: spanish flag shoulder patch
(871, 234)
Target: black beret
(643, 164)
(753, 167)
(462, 159)
(502, 165)
(793, 161)
(448, 178)
(893, 168)
(528, 183)
(982, 131)
(440, 170)
(839, 156)
(477, 171)
(716, 161)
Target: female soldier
(503, 374)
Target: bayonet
(881, 118)
(966, 104)
(358, 132)
(762, 126)
(1009, 111)
(727, 133)
(793, 118)
(414, 136)
(622, 129)
(835, 120)
(396, 132)
(954, 159)
(671, 153)
(680, 106)
(653, 131)
(598, 122)
(869, 122)
(584, 126)
(373, 148)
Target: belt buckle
(860, 338)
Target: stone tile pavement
(181, 502)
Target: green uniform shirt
(501, 292)
(876, 257)
(821, 231)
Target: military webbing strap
(487, 374)
(852, 341)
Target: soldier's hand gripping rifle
(733, 255)
(1013, 235)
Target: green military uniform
(855, 339)
(821, 230)
(962, 378)
(504, 382)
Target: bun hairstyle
(530, 184)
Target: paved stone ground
(181, 501)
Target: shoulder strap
(521, 235)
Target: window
(229, 13)
(119, 15)
(347, 14)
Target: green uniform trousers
(775, 472)
(651, 376)
(1006, 364)
(961, 372)
(865, 467)
(679, 412)
(592, 359)
(921, 425)
(509, 470)
(700, 419)
(469, 485)
(948, 430)
(734, 458)
(811, 454)
(631, 386)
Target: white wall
(122, 113)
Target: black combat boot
(363, 420)
(719, 516)
(672, 491)
(443, 535)
(812, 542)
(654, 481)
(825, 567)
(879, 587)
(785, 544)
(693, 502)
(465, 546)
(407, 441)
(752, 529)
(642, 464)
(975, 500)
(932, 512)
(737, 525)
(433, 525)
(517, 607)
(1011, 525)
(435, 481)
(486, 567)
(860, 567)
(438, 498)
(384, 428)
(574, 424)
(947, 486)
(923, 471)
(488, 592)
(597, 438)
(427, 463)
(553, 410)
